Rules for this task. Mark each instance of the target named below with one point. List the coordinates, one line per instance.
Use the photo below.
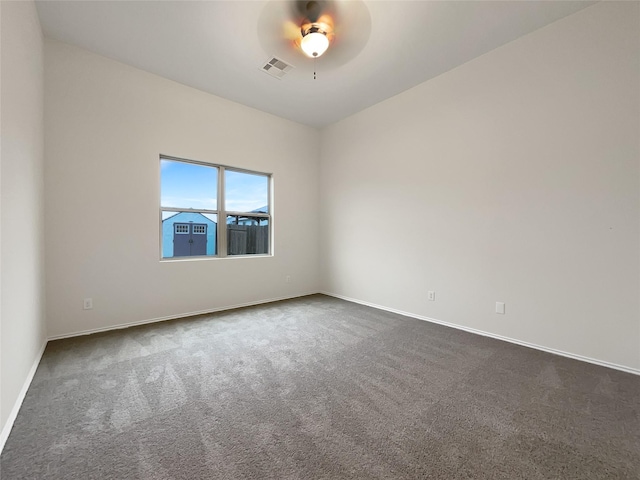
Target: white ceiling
(219, 46)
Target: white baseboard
(574, 356)
(174, 317)
(6, 430)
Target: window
(212, 210)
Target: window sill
(196, 259)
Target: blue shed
(188, 234)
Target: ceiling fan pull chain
(315, 59)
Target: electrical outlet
(500, 308)
(431, 296)
(287, 279)
(88, 303)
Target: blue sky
(189, 185)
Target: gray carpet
(318, 388)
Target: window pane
(246, 192)
(188, 185)
(247, 235)
(188, 234)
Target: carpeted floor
(318, 388)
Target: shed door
(181, 237)
(189, 239)
(198, 239)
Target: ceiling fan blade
(291, 30)
(309, 10)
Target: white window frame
(221, 213)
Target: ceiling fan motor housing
(315, 38)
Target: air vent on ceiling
(276, 68)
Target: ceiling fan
(294, 30)
(310, 26)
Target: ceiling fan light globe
(314, 44)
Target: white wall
(512, 178)
(21, 204)
(105, 126)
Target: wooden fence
(247, 239)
